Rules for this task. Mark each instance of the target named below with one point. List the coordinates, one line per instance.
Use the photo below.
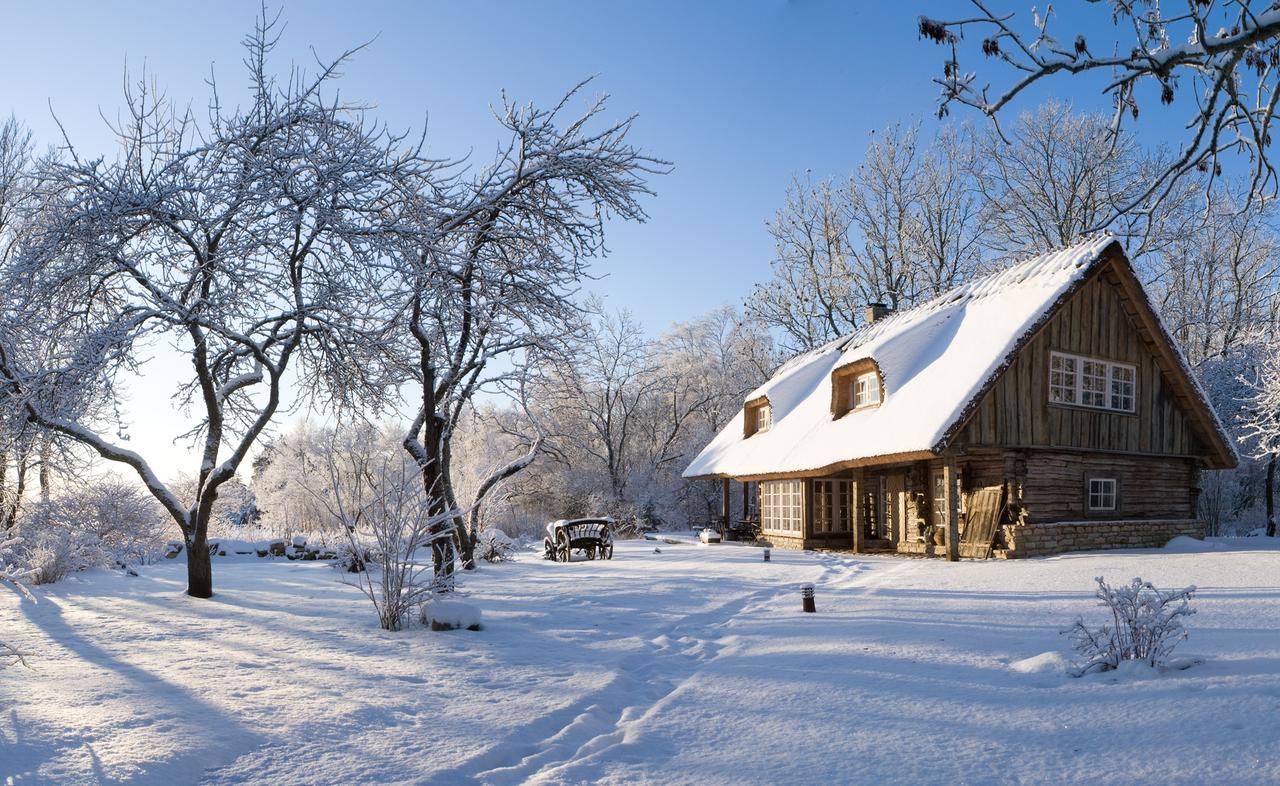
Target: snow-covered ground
(693, 665)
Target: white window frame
(782, 507)
(764, 418)
(865, 390)
(1106, 489)
(1092, 383)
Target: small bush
(54, 553)
(353, 558)
(1146, 625)
(495, 546)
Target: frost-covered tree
(238, 238)
(1214, 59)
(624, 413)
(503, 249)
(1055, 175)
(905, 226)
(813, 295)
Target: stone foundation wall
(784, 542)
(1037, 540)
(923, 549)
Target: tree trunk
(14, 504)
(442, 550)
(199, 564)
(46, 457)
(465, 541)
(1271, 495)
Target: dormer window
(855, 385)
(865, 390)
(758, 416)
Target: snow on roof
(933, 360)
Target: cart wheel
(591, 552)
(548, 550)
(566, 551)
(607, 551)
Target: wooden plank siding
(1016, 413)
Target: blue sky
(740, 96)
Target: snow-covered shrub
(53, 553)
(1146, 624)
(354, 557)
(15, 577)
(449, 614)
(496, 546)
(376, 495)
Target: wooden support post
(724, 509)
(949, 476)
(856, 490)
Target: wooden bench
(590, 536)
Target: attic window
(1091, 382)
(854, 386)
(865, 390)
(758, 416)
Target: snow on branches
(1146, 624)
(243, 240)
(1223, 54)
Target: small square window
(1102, 494)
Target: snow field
(693, 665)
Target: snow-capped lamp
(806, 595)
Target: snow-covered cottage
(1039, 409)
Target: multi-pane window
(782, 506)
(1102, 494)
(1089, 382)
(764, 418)
(1122, 388)
(831, 505)
(866, 390)
(1063, 376)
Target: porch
(914, 507)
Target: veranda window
(831, 505)
(782, 506)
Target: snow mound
(1188, 545)
(1044, 663)
(450, 615)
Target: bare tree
(813, 296)
(237, 240)
(1059, 175)
(1216, 57)
(502, 254)
(882, 199)
(949, 225)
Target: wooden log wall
(1095, 322)
(1147, 488)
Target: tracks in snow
(580, 737)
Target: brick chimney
(876, 311)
